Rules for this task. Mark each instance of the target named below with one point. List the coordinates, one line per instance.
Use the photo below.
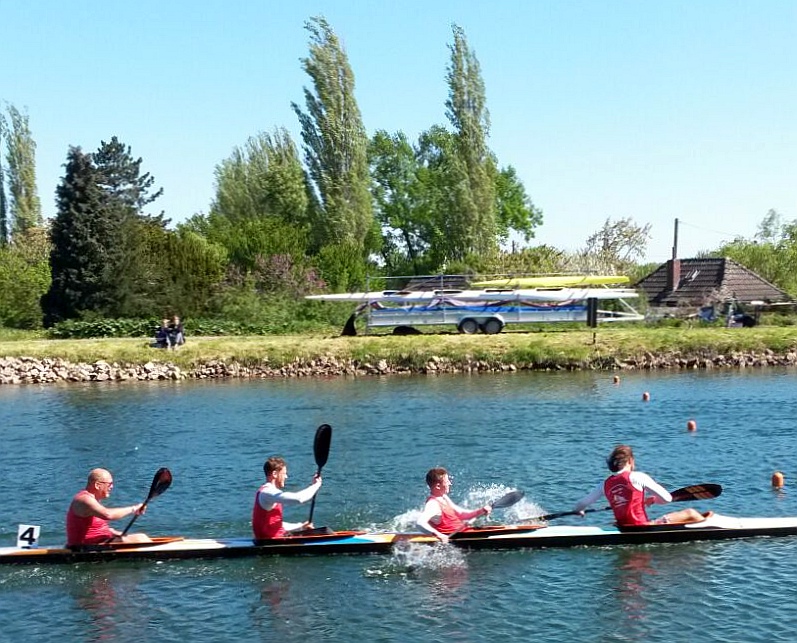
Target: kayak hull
(503, 537)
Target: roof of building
(708, 281)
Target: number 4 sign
(28, 536)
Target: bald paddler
(87, 518)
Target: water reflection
(113, 603)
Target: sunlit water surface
(547, 434)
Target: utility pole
(675, 241)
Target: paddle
(692, 492)
(160, 483)
(323, 438)
(508, 499)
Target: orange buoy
(645, 396)
(691, 425)
(616, 379)
(777, 480)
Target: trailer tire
(492, 326)
(468, 326)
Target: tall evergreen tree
(126, 192)
(335, 145)
(25, 207)
(473, 174)
(81, 234)
(121, 178)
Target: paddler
(441, 517)
(267, 511)
(627, 492)
(87, 518)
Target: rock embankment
(28, 370)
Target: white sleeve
(267, 499)
(644, 482)
(430, 511)
(592, 497)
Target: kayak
(715, 527)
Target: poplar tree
(24, 209)
(335, 146)
(3, 204)
(473, 173)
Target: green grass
(570, 347)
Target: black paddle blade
(697, 492)
(508, 499)
(160, 483)
(323, 438)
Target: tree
(614, 247)
(335, 146)
(514, 209)
(3, 203)
(24, 278)
(121, 178)
(81, 234)
(474, 213)
(772, 253)
(24, 207)
(263, 179)
(398, 199)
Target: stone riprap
(28, 370)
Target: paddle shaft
(160, 483)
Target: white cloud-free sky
(649, 110)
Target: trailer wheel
(492, 326)
(468, 326)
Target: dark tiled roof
(708, 281)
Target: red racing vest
(267, 524)
(450, 522)
(89, 530)
(627, 502)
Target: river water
(545, 433)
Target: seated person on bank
(87, 519)
(267, 511)
(162, 335)
(176, 334)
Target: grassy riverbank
(548, 347)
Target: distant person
(270, 498)
(162, 335)
(627, 489)
(87, 519)
(176, 333)
(440, 516)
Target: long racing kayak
(716, 527)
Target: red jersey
(627, 502)
(450, 522)
(89, 530)
(267, 524)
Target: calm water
(545, 433)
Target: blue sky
(649, 110)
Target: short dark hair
(433, 476)
(619, 457)
(273, 464)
